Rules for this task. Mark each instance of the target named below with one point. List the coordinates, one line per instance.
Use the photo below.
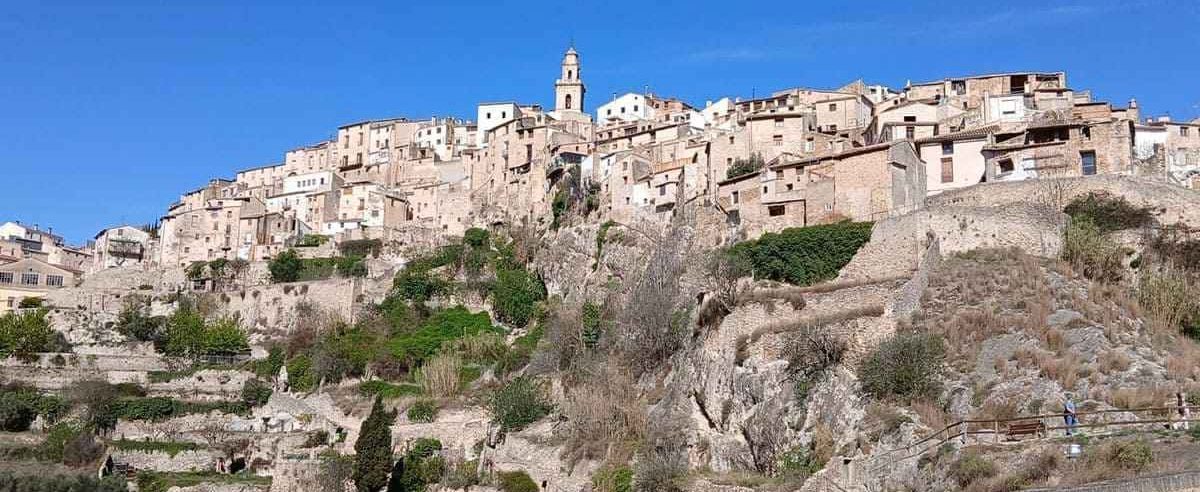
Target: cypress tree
(374, 450)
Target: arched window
(568, 101)
(570, 74)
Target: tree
(373, 449)
(285, 267)
(225, 337)
(185, 332)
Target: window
(567, 105)
(764, 190)
(833, 107)
(662, 190)
(777, 140)
(779, 175)
(731, 140)
(947, 148)
(503, 114)
(29, 279)
(1183, 131)
(910, 119)
(808, 146)
(488, 116)
(910, 132)
(947, 169)
(360, 138)
(609, 111)
(734, 197)
(776, 210)
(778, 122)
(635, 108)
(6, 277)
(1006, 166)
(1086, 132)
(789, 187)
(958, 87)
(54, 280)
(1088, 162)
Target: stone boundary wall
(272, 307)
(1172, 203)
(1188, 481)
(183, 461)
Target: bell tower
(568, 89)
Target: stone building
(121, 246)
(1084, 140)
(864, 183)
(31, 277)
(19, 241)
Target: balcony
(124, 249)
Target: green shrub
(1090, 251)
(601, 237)
(351, 266)
(28, 333)
(476, 237)
(971, 468)
(590, 319)
(416, 346)
(30, 302)
(49, 482)
(1109, 213)
(516, 481)
(515, 295)
(344, 352)
(184, 332)
(312, 240)
(195, 270)
(613, 479)
(519, 403)
(905, 366)
(301, 376)
(225, 337)
(170, 448)
(15, 413)
(268, 368)
(419, 285)
(422, 411)
(133, 323)
(805, 255)
(742, 167)
(285, 267)
(255, 393)
(1134, 455)
(388, 390)
(159, 408)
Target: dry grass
(1112, 361)
(439, 377)
(931, 414)
(814, 322)
(1066, 369)
(1140, 397)
(604, 417)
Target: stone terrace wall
(897, 244)
(273, 307)
(183, 461)
(1172, 203)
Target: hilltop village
(854, 289)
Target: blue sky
(110, 111)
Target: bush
(516, 481)
(1169, 297)
(48, 482)
(344, 352)
(1134, 455)
(28, 333)
(1108, 213)
(185, 332)
(351, 266)
(16, 414)
(419, 285)
(1087, 248)
(424, 411)
(590, 320)
(742, 167)
(519, 403)
(443, 326)
(602, 237)
(255, 393)
(388, 390)
(225, 337)
(516, 295)
(312, 240)
(133, 323)
(805, 255)
(30, 302)
(613, 479)
(361, 248)
(905, 366)
(476, 237)
(301, 376)
(971, 468)
(285, 267)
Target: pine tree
(374, 450)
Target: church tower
(568, 89)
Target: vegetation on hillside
(803, 255)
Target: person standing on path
(1069, 417)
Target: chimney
(1132, 103)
